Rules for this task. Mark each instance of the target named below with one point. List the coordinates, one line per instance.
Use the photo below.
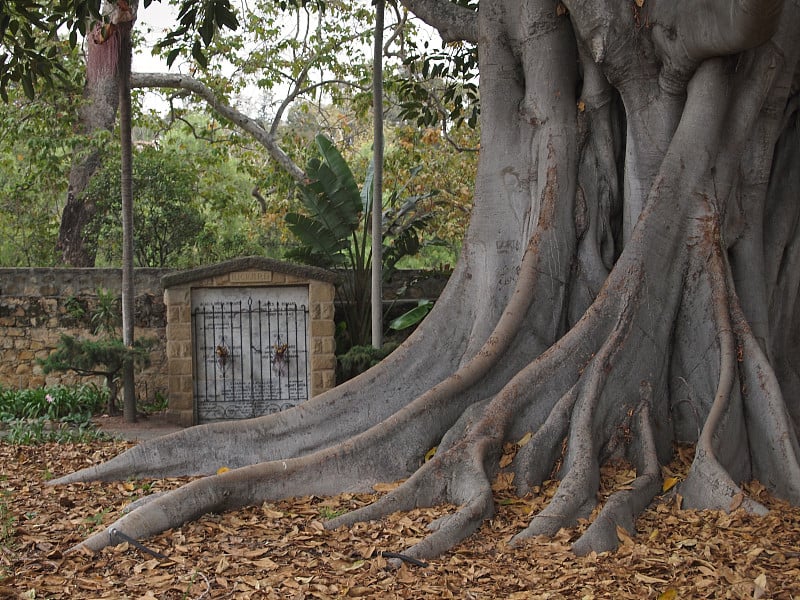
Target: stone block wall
(38, 305)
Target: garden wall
(38, 305)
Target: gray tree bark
(629, 280)
(376, 287)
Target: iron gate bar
(225, 385)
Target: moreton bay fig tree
(629, 280)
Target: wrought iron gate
(250, 358)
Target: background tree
(36, 140)
(123, 19)
(166, 219)
(97, 117)
(102, 94)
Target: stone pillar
(179, 355)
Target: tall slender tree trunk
(97, 115)
(377, 195)
(126, 179)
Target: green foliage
(106, 318)
(360, 358)
(74, 308)
(29, 50)
(166, 218)
(412, 317)
(335, 209)
(37, 138)
(326, 513)
(105, 357)
(197, 24)
(56, 414)
(158, 404)
(52, 403)
(334, 231)
(405, 216)
(41, 431)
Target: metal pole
(377, 196)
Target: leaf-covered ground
(281, 550)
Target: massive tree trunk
(629, 280)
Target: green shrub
(103, 357)
(54, 403)
(28, 432)
(360, 358)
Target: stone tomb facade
(247, 337)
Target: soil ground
(145, 428)
(281, 550)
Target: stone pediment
(257, 266)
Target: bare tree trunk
(98, 114)
(126, 179)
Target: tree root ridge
(775, 450)
(203, 449)
(747, 432)
(457, 476)
(575, 497)
(624, 506)
(461, 474)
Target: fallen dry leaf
(280, 550)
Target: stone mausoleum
(247, 337)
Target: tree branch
(171, 80)
(453, 22)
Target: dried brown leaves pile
(281, 550)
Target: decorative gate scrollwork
(250, 358)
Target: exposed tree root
(576, 496)
(624, 506)
(458, 476)
(649, 348)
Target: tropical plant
(334, 231)
(411, 317)
(105, 317)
